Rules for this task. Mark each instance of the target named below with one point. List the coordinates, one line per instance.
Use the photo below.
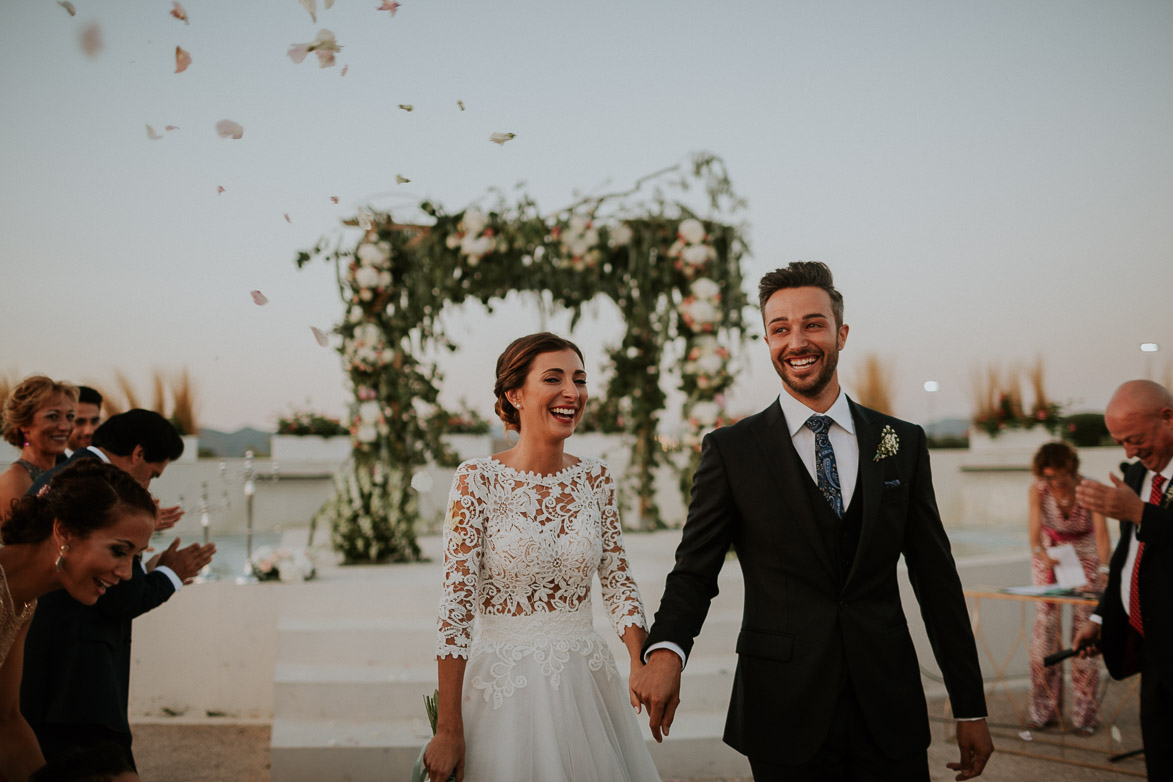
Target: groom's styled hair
(801, 274)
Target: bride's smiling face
(551, 401)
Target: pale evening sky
(989, 181)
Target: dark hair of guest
(120, 434)
(513, 367)
(87, 495)
(801, 274)
(89, 396)
(1057, 456)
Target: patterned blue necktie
(825, 469)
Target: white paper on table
(1069, 572)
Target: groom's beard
(814, 384)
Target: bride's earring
(61, 557)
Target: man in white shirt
(1136, 611)
(820, 498)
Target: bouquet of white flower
(272, 564)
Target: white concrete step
(383, 641)
(321, 691)
(305, 750)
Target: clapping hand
(166, 518)
(187, 562)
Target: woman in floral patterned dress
(534, 694)
(1056, 518)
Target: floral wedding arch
(674, 276)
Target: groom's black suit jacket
(77, 657)
(808, 627)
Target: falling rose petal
(182, 59)
(501, 138)
(229, 129)
(219, 189)
(334, 199)
(258, 298)
(329, 3)
(287, 218)
(178, 12)
(400, 179)
(297, 52)
(325, 58)
(406, 106)
(91, 40)
(365, 218)
(388, 6)
(171, 127)
(460, 103)
(345, 68)
(324, 46)
(321, 336)
(152, 135)
(68, 6)
(312, 7)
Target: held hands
(444, 757)
(1117, 501)
(973, 738)
(187, 562)
(657, 686)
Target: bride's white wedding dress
(542, 699)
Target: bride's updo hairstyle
(85, 496)
(513, 368)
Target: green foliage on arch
(675, 277)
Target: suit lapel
(871, 478)
(777, 448)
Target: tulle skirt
(543, 702)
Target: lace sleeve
(619, 590)
(463, 530)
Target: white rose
(367, 433)
(579, 223)
(368, 412)
(704, 288)
(705, 343)
(577, 246)
(355, 314)
(385, 279)
(695, 254)
(370, 255)
(474, 221)
(366, 276)
(710, 363)
(705, 413)
(675, 249)
(702, 311)
(365, 294)
(692, 231)
(620, 235)
(452, 241)
(368, 334)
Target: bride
(536, 695)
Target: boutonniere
(889, 444)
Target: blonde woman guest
(81, 534)
(534, 694)
(37, 419)
(1056, 518)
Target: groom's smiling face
(804, 341)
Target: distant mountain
(948, 427)
(227, 445)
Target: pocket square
(892, 484)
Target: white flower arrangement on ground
(270, 563)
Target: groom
(819, 497)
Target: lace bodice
(525, 545)
(10, 620)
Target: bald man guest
(1133, 625)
